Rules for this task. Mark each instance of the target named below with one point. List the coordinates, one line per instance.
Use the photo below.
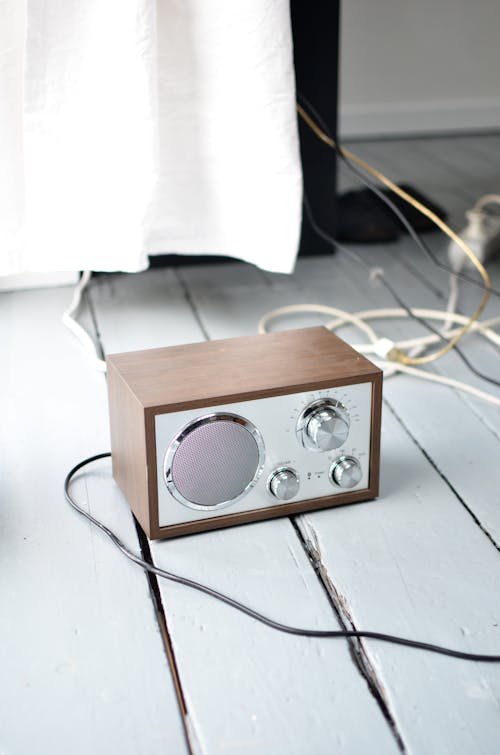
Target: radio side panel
(376, 428)
(128, 442)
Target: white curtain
(136, 127)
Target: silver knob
(327, 428)
(346, 472)
(284, 484)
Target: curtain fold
(147, 128)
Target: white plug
(383, 348)
(482, 234)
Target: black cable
(381, 277)
(320, 633)
(409, 227)
(394, 208)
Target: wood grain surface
(82, 662)
(239, 369)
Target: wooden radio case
(213, 434)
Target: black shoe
(361, 218)
(421, 223)
(365, 218)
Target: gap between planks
(359, 656)
(447, 366)
(190, 300)
(443, 476)
(340, 608)
(152, 579)
(293, 289)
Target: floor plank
(422, 554)
(443, 407)
(247, 688)
(396, 567)
(448, 416)
(80, 650)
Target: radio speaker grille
(215, 462)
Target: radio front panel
(273, 439)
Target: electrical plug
(482, 234)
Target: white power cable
(484, 327)
(345, 317)
(69, 320)
(451, 306)
(381, 347)
(482, 233)
(377, 347)
(487, 199)
(451, 382)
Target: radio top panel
(215, 372)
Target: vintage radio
(212, 434)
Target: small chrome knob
(346, 472)
(327, 428)
(284, 484)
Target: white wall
(419, 66)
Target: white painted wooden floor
(83, 662)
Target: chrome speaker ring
(204, 421)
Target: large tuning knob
(324, 426)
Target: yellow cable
(397, 355)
